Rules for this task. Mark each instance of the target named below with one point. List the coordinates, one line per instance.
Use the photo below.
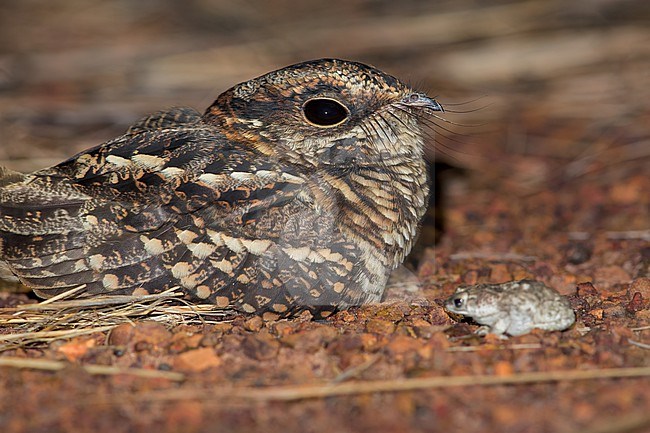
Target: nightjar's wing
(171, 118)
(176, 203)
(47, 222)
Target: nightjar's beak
(420, 100)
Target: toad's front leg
(498, 327)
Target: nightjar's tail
(40, 228)
(61, 228)
(7, 177)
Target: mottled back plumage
(300, 189)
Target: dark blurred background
(568, 81)
(78, 71)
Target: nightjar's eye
(458, 302)
(324, 112)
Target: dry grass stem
(523, 346)
(49, 365)
(295, 393)
(638, 344)
(61, 318)
(630, 234)
(491, 256)
(61, 295)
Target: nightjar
(300, 189)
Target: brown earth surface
(546, 176)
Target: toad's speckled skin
(250, 205)
(514, 308)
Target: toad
(513, 308)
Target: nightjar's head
(328, 110)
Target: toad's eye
(458, 302)
(324, 112)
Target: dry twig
(49, 365)
(295, 393)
